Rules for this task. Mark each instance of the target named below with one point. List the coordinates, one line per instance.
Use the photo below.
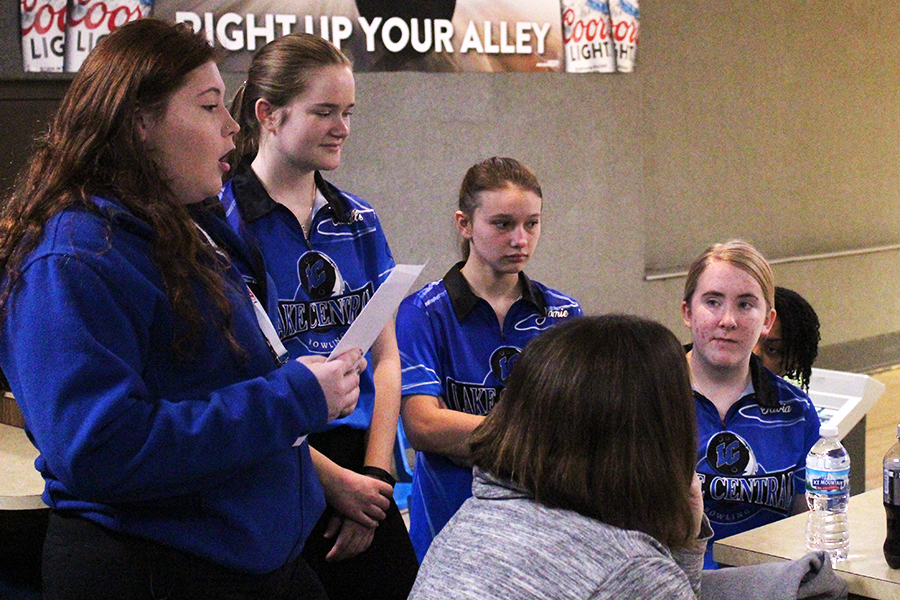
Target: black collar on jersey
(210, 215)
(254, 201)
(464, 299)
(764, 392)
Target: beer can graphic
(587, 39)
(90, 20)
(626, 25)
(43, 35)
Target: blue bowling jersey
(752, 465)
(453, 347)
(323, 281)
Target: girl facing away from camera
(460, 336)
(165, 413)
(585, 484)
(584, 475)
(324, 248)
(755, 428)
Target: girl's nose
(728, 320)
(230, 127)
(519, 238)
(342, 126)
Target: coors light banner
(58, 35)
(576, 36)
(43, 35)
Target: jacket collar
(464, 299)
(210, 215)
(254, 201)
(488, 486)
(120, 216)
(762, 383)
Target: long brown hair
(93, 147)
(598, 418)
(279, 72)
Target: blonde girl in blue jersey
(755, 428)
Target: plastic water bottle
(827, 494)
(892, 504)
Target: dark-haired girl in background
(792, 345)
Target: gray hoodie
(503, 544)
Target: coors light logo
(586, 36)
(58, 35)
(90, 20)
(625, 26)
(43, 35)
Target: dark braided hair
(799, 335)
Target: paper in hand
(380, 308)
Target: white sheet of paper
(381, 307)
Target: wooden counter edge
(9, 411)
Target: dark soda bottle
(892, 504)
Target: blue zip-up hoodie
(194, 453)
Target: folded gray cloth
(807, 577)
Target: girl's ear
(143, 122)
(686, 314)
(463, 224)
(266, 114)
(770, 320)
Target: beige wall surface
(776, 122)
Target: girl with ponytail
(327, 253)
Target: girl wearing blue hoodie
(170, 426)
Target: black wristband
(378, 473)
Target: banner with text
(577, 36)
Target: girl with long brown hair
(584, 475)
(170, 440)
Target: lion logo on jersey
(319, 276)
(502, 361)
(729, 454)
